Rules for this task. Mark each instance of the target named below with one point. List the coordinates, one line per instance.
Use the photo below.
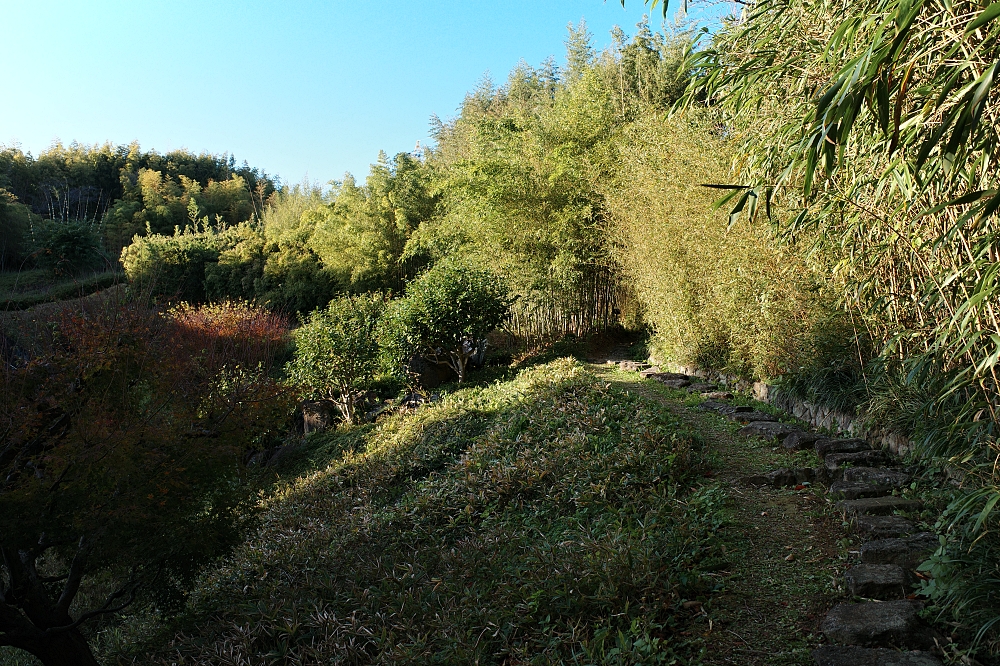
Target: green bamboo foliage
(879, 132)
(869, 131)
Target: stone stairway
(882, 626)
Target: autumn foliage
(123, 431)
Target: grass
(26, 289)
(549, 518)
(767, 608)
(559, 514)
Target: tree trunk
(67, 648)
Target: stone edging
(816, 415)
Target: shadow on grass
(547, 517)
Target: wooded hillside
(807, 197)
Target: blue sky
(296, 87)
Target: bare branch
(75, 576)
(128, 589)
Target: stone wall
(818, 415)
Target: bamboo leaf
(987, 15)
(734, 214)
(985, 513)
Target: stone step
(883, 527)
(879, 581)
(750, 417)
(909, 552)
(879, 476)
(634, 366)
(722, 407)
(700, 387)
(673, 383)
(718, 395)
(781, 478)
(877, 624)
(877, 506)
(741, 413)
(769, 430)
(844, 655)
(838, 462)
(801, 440)
(654, 373)
(826, 445)
(852, 491)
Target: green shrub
(171, 266)
(69, 248)
(446, 315)
(337, 353)
(181, 266)
(14, 224)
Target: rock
(883, 527)
(701, 387)
(771, 430)
(781, 478)
(843, 655)
(742, 413)
(634, 366)
(663, 376)
(723, 407)
(806, 474)
(800, 440)
(749, 417)
(879, 476)
(826, 446)
(756, 480)
(821, 474)
(877, 624)
(835, 462)
(879, 581)
(674, 383)
(718, 395)
(908, 553)
(852, 491)
(877, 506)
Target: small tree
(447, 313)
(121, 441)
(337, 351)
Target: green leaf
(734, 214)
(987, 15)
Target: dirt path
(787, 549)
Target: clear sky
(296, 87)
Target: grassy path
(787, 549)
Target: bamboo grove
(866, 134)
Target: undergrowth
(546, 519)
